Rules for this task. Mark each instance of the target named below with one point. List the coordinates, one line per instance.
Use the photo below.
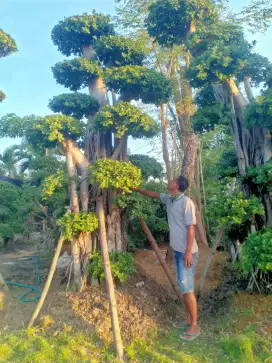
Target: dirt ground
(141, 308)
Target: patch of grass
(233, 338)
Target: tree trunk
(165, 151)
(109, 280)
(248, 89)
(208, 262)
(74, 204)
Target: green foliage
(259, 113)
(257, 68)
(149, 166)
(2, 96)
(15, 205)
(117, 174)
(257, 251)
(219, 51)
(126, 119)
(53, 182)
(205, 96)
(60, 127)
(14, 126)
(7, 44)
(151, 210)
(119, 51)
(76, 32)
(73, 224)
(257, 15)
(216, 65)
(76, 73)
(8, 160)
(207, 117)
(235, 208)
(122, 265)
(139, 83)
(227, 165)
(261, 176)
(78, 105)
(169, 21)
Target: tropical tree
(7, 47)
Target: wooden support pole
(109, 280)
(48, 282)
(208, 261)
(156, 249)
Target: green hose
(30, 287)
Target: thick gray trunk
(248, 89)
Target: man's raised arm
(147, 193)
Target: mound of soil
(142, 306)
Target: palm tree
(8, 161)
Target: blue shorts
(185, 275)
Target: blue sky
(26, 76)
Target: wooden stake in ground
(48, 282)
(156, 249)
(109, 281)
(208, 261)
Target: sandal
(189, 337)
(180, 325)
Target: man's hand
(188, 259)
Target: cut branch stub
(76, 32)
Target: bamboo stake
(48, 282)
(209, 260)
(109, 281)
(156, 249)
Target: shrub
(122, 265)
(257, 251)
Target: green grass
(235, 337)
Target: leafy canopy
(15, 205)
(257, 251)
(77, 73)
(116, 174)
(73, 224)
(261, 176)
(169, 21)
(126, 119)
(235, 209)
(76, 32)
(122, 265)
(7, 44)
(60, 127)
(14, 126)
(119, 51)
(2, 96)
(137, 82)
(259, 113)
(149, 166)
(257, 68)
(78, 105)
(207, 117)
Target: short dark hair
(183, 183)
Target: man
(182, 221)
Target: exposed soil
(141, 308)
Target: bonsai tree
(111, 68)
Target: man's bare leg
(191, 308)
